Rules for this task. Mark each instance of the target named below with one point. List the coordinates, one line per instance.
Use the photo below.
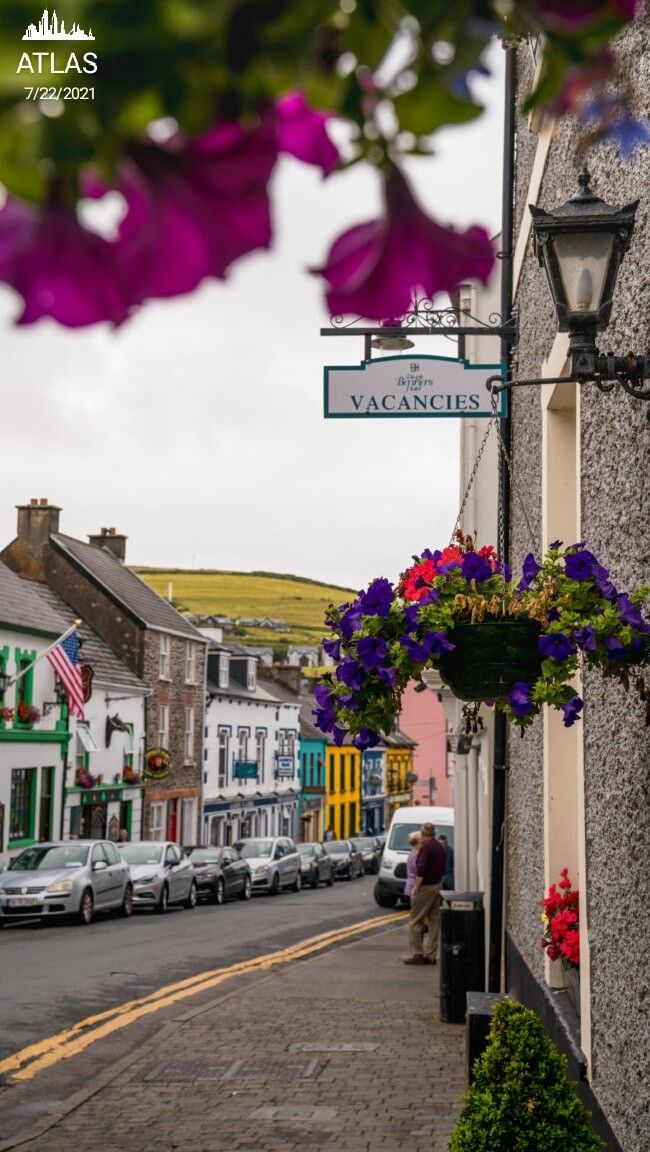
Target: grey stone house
(578, 798)
(159, 645)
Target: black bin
(462, 948)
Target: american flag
(64, 658)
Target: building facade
(400, 773)
(577, 798)
(343, 783)
(156, 642)
(422, 717)
(373, 791)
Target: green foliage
(521, 1099)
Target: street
(62, 974)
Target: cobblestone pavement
(343, 1051)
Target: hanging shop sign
(245, 770)
(285, 768)
(157, 764)
(87, 681)
(408, 386)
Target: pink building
(423, 719)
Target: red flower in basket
(27, 714)
(561, 914)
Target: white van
(392, 870)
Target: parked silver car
(65, 878)
(161, 874)
(274, 863)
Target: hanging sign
(285, 768)
(411, 386)
(157, 764)
(87, 681)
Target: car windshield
(142, 853)
(41, 857)
(306, 849)
(336, 846)
(364, 843)
(205, 855)
(399, 835)
(250, 849)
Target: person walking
(329, 833)
(425, 898)
(448, 878)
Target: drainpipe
(500, 723)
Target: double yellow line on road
(35, 1058)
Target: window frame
(28, 834)
(164, 656)
(188, 735)
(190, 662)
(163, 729)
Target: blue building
(373, 792)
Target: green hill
(299, 602)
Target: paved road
(58, 975)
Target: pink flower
(194, 207)
(61, 269)
(373, 269)
(302, 132)
(569, 15)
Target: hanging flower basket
(490, 657)
(518, 644)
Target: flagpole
(28, 667)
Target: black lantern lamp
(581, 245)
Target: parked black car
(220, 873)
(345, 858)
(370, 849)
(316, 866)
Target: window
(224, 741)
(156, 820)
(165, 650)
(259, 753)
(250, 675)
(98, 855)
(112, 854)
(22, 804)
(129, 746)
(188, 744)
(332, 776)
(242, 743)
(188, 821)
(290, 746)
(190, 663)
(223, 669)
(85, 738)
(46, 804)
(25, 685)
(163, 725)
(344, 765)
(353, 773)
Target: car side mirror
(100, 866)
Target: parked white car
(160, 873)
(274, 863)
(391, 878)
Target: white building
(251, 750)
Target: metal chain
(515, 487)
(493, 420)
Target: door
(101, 880)
(172, 820)
(46, 805)
(116, 870)
(174, 881)
(229, 872)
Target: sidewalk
(342, 1051)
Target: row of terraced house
(184, 737)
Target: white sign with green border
(406, 386)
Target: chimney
(287, 674)
(37, 521)
(113, 541)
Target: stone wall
(614, 447)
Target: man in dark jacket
(425, 899)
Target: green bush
(521, 1099)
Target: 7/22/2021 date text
(62, 94)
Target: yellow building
(399, 772)
(343, 790)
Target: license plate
(24, 901)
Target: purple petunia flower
(333, 648)
(553, 614)
(571, 710)
(61, 269)
(302, 132)
(338, 735)
(630, 614)
(411, 615)
(366, 738)
(431, 644)
(556, 646)
(350, 621)
(323, 695)
(603, 583)
(373, 268)
(351, 673)
(615, 647)
(580, 565)
(586, 638)
(476, 567)
(324, 718)
(372, 651)
(529, 568)
(387, 676)
(376, 601)
(520, 698)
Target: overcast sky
(197, 429)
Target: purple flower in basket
(387, 676)
(372, 651)
(586, 638)
(378, 598)
(332, 648)
(580, 565)
(603, 583)
(366, 738)
(476, 567)
(529, 568)
(350, 621)
(556, 646)
(616, 648)
(571, 710)
(520, 698)
(351, 673)
(630, 614)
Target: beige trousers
(424, 916)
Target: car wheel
(314, 879)
(86, 908)
(247, 890)
(275, 885)
(330, 880)
(350, 873)
(384, 899)
(219, 893)
(126, 907)
(191, 897)
(297, 884)
(163, 903)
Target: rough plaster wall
(615, 454)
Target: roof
(399, 739)
(122, 585)
(22, 605)
(106, 665)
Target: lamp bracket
(591, 367)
